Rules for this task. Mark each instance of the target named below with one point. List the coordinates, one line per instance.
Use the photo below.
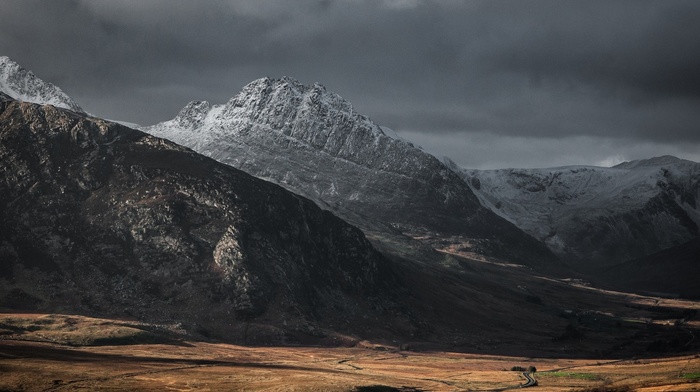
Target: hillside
(101, 219)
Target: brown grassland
(70, 353)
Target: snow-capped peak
(193, 114)
(311, 141)
(307, 114)
(23, 85)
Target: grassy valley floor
(33, 361)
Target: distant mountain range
(313, 143)
(597, 216)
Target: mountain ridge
(23, 85)
(624, 212)
(313, 142)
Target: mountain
(23, 85)
(101, 219)
(312, 142)
(598, 216)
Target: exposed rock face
(595, 215)
(23, 85)
(103, 219)
(314, 143)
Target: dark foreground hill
(101, 219)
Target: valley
(190, 366)
(578, 338)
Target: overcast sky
(491, 84)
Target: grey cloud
(485, 150)
(644, 47)
(540, 69)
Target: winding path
(531, 382)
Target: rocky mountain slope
(105, 220)
(23, 85)
(312, 142)
(595, 215)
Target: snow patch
(23, 85)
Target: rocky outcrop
(102, 219)
(312, 142)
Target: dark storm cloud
(537, 71)
(644, 47)
(127, 51)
